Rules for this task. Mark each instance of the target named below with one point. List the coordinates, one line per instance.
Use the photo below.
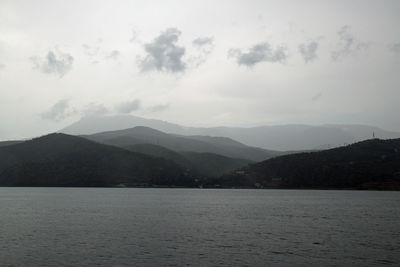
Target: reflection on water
(178, 227)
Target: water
(193, 227)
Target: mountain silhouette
(203, 144)
(280, 137)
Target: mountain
(280, 137)
(7, 143)
(370, 164)
(214, 165)
(63, 160)
(95, 124)
(204, 164)
(202, 144)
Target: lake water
(194, 227)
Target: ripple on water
(186, 227)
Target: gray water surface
(193, 227)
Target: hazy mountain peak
(96, 124)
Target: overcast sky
(199, 63)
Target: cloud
(202, 41)
(58, 111)
(262, 52)
(134, 36)
(2, 66)
(91, 50)
(163, 54)
(128, 107)
(56, 63)
(159, 108)
(96, 53)
(204, 46)
(309, 51)
(115, 54)
(348, 44)
(94, 109)
(395, 48)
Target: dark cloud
(53, 63)
(159, 108)
(58, 111)
(202, 41)
(348, 44)
(262, 52)
(395, 48)
(309, 51)
(163, 54)
(128, 107)
(115, 54)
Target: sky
(198, 63)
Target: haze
(203, 63)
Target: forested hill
(371, 164)
(63, 160)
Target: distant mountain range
(371, 164)
(208, 157)
(137, 158)
(281, 138)
(202, 144)
(129, 158)
(64, 160)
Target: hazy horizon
(205, 63)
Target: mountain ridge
(280, 137)
(204, 144)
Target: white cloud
(348, 44)
(58, 111)
(309, 51)
(261, 52)
(56, 63)
(159, 108)
(163, 54)
(129, 106)
(115, 54)
(93, 109)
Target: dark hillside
(63, 160)
(371, 164)
(203, 164)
